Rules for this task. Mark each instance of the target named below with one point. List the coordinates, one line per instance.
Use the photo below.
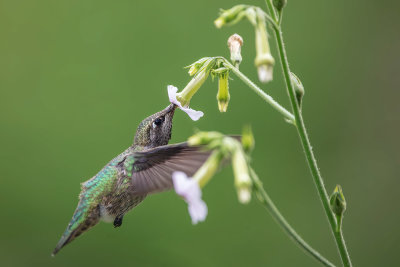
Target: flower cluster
(264, 60)
(200, 70)
(223, 147)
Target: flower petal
(172, 95)
(193, 114)
(181, 183)
(265, 73)
(190, 190)
(186, 187)
(198, 211)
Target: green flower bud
(337, 201)
(235, 43)
(196, 66)
(298, 88)
(243, 182)
(223, 91)
(279, 4)
(264, 60)
(247, 139)
(230, 16)
(204, 138)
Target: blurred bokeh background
(76, 78)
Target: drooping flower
(243, 181)
(223, 95)
(264, 60)
(190, 190)
(172, 94)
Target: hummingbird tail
(80, 223)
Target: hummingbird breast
(119, 201)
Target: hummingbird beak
(170, 110)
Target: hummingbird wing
(151, 170)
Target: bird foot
(118, 221)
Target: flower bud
(230, 16)
(204, 138)
(264, 60)
(223, 91)
(279, 4)
(196, 66)
(235, 43)
(298, 87)
(247, 139)
(337, 201)
(243, 182)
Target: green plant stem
(270, 206)
(289, 116)
(338, 223)
(280, 17)
(307, 146)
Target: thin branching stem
(301, 129)
(289, 116)
(270, 206)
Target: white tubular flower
(242, 178)
(201, 70)
(264, 60)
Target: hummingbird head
(155, 130)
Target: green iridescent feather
(92, 191)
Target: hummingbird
(144, 168)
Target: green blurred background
(76, 78)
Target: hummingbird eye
(158, 122)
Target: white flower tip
(193, 114)
(265, 73)
(235, 41)
(244, 195)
